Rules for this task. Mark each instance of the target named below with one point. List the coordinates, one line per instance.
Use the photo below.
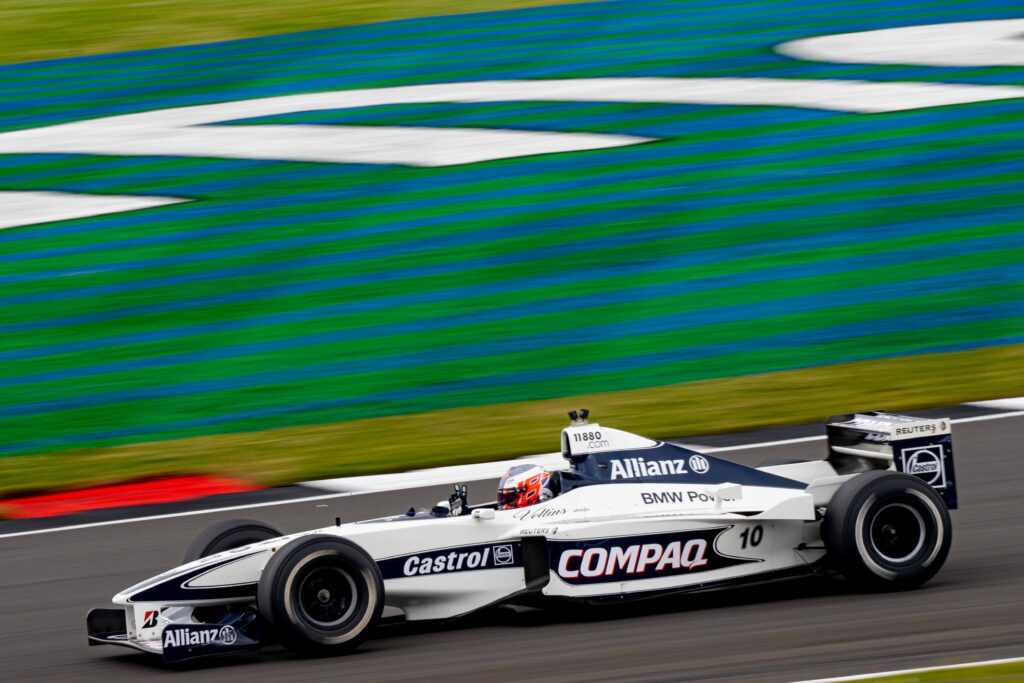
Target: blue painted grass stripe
(675, 149)
(397, 401)
(428, 33)
(490, 235)
(938, 320)
(950, 283)
(183, 212)
(256, 227)
(767, 215)
(555, 279)
(612, 296)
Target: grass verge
(986, 673)
(486, 433)
(32, 30)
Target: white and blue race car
(635, 518)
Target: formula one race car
(633, 517)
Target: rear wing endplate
(917, 446)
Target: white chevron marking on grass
(28, 208)
(186, 131)
(964, 43)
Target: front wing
(236, 633)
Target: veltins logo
(925, 462)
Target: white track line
(1001, 404)
(425, 478)
(882, 674)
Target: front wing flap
(236, 633)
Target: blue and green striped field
(742, 240)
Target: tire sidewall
(228, 535)
(847, 530)
(278, 593)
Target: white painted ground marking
(186, 131)
(1001, 404)
(949, 667)
(986, 418)
(965, 43)
(493, 471)
(29, 208)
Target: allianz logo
(207, 636)
(639, 468)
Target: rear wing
(880, 440)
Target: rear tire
(228, 535)
(321, 594)
(887, 531)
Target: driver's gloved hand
(457, 502)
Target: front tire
(228, 535)
(887, 531)
(321, 595)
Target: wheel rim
(326, 596)
(897, 533)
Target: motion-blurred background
(425, 299)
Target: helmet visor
(508, 498)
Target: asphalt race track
(973, 610)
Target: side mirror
(725, 491)
(483, 513)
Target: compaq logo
(639, 557)
(638, 468)
(634, 559)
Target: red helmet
(524, 485)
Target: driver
(526, 484)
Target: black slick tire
(887, 531)
(227, 535)
(321, 594)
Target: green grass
(990, 673)
(484, 433)
(306, 320)
(47, 29)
